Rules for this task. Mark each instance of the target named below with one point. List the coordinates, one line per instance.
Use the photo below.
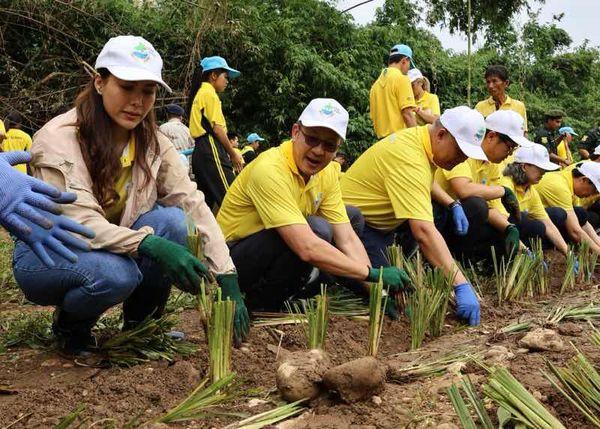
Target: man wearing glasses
(476, 184)
(284, 215)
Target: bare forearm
(427, 116)
(327, 258)
(555, 238)
(439, 195)
(409, 117)
(354, 249)
(478, 190)
(436, 251)
(589, 230)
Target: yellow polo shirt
(529, 200)
(17, 140)
(482, 172)
(389, 95)
(270, 193)
(391, 181)
(114, 212)
(246, 149)
(564, 151)
(585, 202)
(488, 106)
(2, 128)
(429, 102)
(556, 188)
(207, 101)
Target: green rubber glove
(176, 261)
(230, 289)
(396, 279)
(511, 204)
(391, 309)
(511, 239)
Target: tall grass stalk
(587, 263)
(314, 312)
(376, 315)
(200, 402)
(504, 389)
(513, 277)
(475, 402)
(574, 313)
(541, 284)
(220, 335)
(569, 279)
(579, 382)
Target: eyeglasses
(512, 146)
(313, 141)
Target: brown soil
(44, 387)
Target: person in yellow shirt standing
(16, 138)
(558, 190)
(476, 183)
(392, 185)
(283, 213)
(249, 151)
(391, 98)
(214, 158)
(563, 150)
(428, 104)
(497, 82)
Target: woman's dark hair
(515, 171)
(101, 157)
(500, 71)
(199, 76)
(395, 58)
(13, 120)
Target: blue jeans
(101, 279)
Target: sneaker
(74, 338)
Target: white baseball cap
(414, 74)
(508, 123)
(537, 155)
(597, 150)
(467, 126)
(591, 170)
(327, 113)
(131, 58)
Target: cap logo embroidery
(329, 110)
(480, 133)
(140, 52)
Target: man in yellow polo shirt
(391, 98)
(391, 183)
(557, 191)
(476, 183)
(284, 211)
(496, 81)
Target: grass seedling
(200, 402)
(516, 327)
(432, 367)
(315, 312)
(276, 319)
(539, 272)
(342, 302)
(439, 286)
(475, 402)
(31, 329)
(150, 340)
(587, 263)
(580, 384)
(513, 278)
(194, 239)
(270, 417)
(574, 313)
(595, 338)
(220, 337)
(66, 421)
(504, 389)
(569, 279)
(376, 315)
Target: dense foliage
(289, 51)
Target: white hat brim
(136, 74)
(522, 141)
(546, 166)
(308, 123)
(472, 151)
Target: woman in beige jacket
(133, 191)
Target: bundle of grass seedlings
(270, 417)
(475, 406)
(316, 314)
(376, 316)
(587, 263)
(433, 366)
(150, 340)
(579, 383)
(569, 280)
(574, 313)
(510, 395)
(516, 277)
(540, 282)
(220, 335)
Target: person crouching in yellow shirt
(284, 211)
(528, 168)
(476, 183)
(16, 138)
(557, 191)
(428, 105)
(392, 185)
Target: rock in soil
(356, 380)
(570, 329)
(542, 339)
(498, 355)
(301, 373)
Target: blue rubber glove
(20, 195)
(57, 238)
(467, 304)
(576, 267)
(532, 257)
(461, 223)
